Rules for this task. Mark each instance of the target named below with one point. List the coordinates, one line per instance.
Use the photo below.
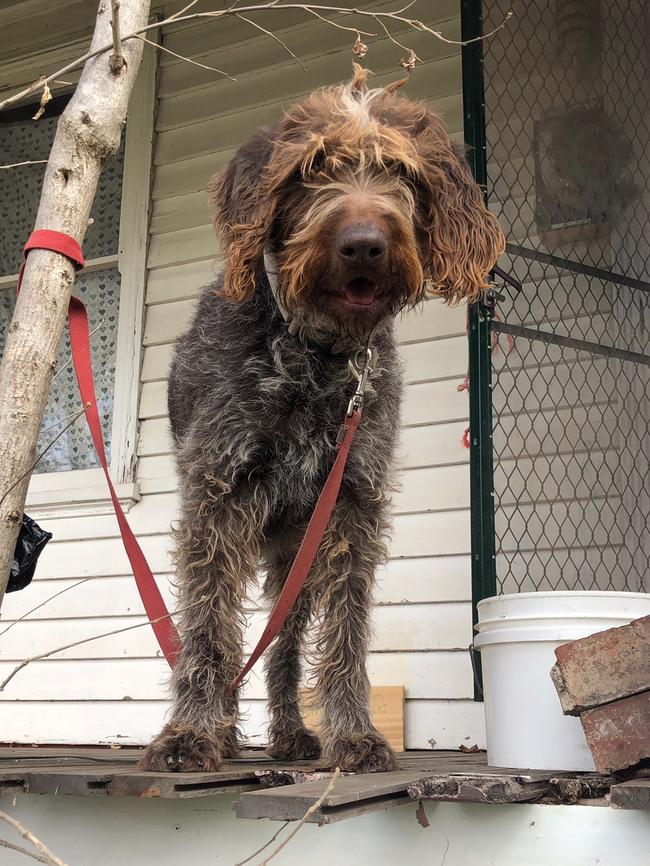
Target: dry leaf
(409, 63)
(473, 748)
(45, 98)
(359, 48)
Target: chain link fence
(568, 166)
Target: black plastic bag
(31, 541)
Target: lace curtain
(22, 140)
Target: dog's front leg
(217, 555)
(289, 739)
(346, 564)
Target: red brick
(618, 734)
(603, 667)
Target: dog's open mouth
(361, 292)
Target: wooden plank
(485, 788)
(432, 319)
(179, 282)
(438, 534)
(231, 129)
(424, 403)
(386, 712)
(291, 803)
(634, 794)
(445, 723)
(396, 628)
(435, 359)
(278, 83)
(436, 674)
(435, 488)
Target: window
(67, 479)
(25, 140)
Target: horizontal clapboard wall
(114, 689)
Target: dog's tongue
(361, 291)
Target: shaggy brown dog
(349, 210)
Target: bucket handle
(477, 682)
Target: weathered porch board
(449, 776)
(634, 794)
(284, 791)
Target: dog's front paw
(367, 752)
(179, 749)
(294, 745)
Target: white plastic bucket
(517, 635)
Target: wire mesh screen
(568, 154)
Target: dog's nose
(362, 244)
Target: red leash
(154, 605)
(308, 547)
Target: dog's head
(365, 205)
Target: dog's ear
(464, 237)
(242, 214)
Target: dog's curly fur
(255, 405)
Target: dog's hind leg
(217, 555)
(351, 550)
(288, 737)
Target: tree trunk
(87, 134)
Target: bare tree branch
(21, 850)
(116, 60)
(26, 833)
(43, 603)
(26, 162)
(182, 57)
(313, 808)
(75, 643)
(273, 36)
(42, 454)
(234, 10)
(264, 846)
(337, 25)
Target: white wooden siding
(114, 689)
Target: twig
(238, 10)
(27, 162)
(75, 643)
(42, 454)
(420, 26)
(313, 808)
(273, 36)
(43, 603)
(61, 421)
(182, 57)
(70, 359)
(116, 60)
(182, 11)
(395, 42)
(26, 833)
(21, 850)
(337, 25)
(264, 846)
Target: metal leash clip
(361, 372)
